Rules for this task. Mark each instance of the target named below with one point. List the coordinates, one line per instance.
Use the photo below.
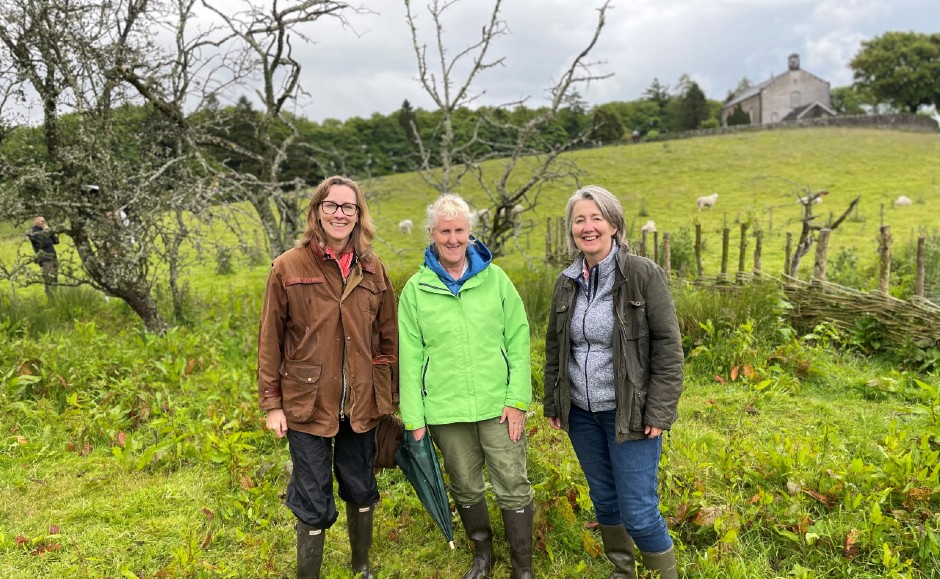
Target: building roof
(803, 111)
(759, 88)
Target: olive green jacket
(648, 371)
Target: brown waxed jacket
(312, 326)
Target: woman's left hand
(652, 431)
(516, 420)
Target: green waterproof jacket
(463, 357)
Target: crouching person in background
(613, 376)
(327, 364)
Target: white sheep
(903, 201)
(707, 201)
(483, 215)
(517, 210)
(805, 200)
(650, 226)
(405, 226)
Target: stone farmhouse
(791, 96)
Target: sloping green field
(758, 176)
(132, 454)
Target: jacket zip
(424, 373)
(342, 398)
(587, 389)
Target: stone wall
(895, 122)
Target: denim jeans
(622, 477)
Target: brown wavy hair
(362, 234)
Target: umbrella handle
(451, 543)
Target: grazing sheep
(707, 201)
(903, 201)
(805, 200)
(483, 215)
(405, 226)
(650, 226)
(517, 210)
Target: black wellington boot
(309, 551)
(518, 525)
(359, 524)
(476, 521)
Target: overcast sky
(370, 66)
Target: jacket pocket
(561, 318)
(637, 410)
(300, 384)
(370, 299)
(382, 386)
(634, 323)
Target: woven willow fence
(899, 321)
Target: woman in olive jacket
(613, 376)
(327, 368)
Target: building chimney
(794, 61)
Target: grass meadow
(127, 454)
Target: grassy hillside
(136, 455)
(756, 174)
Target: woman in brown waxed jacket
(327, 368)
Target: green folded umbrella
(417, 459)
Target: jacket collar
(478, 258)
(322, 256)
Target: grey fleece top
(591, 367)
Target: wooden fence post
(549, 257)
(742, 252)
(667, 255)
(656, 246)
(758, 247)
(921, 249)
(788, 254)
(822, 246)
(643, 237)
(884, 250)
(725, 238)
(698, 250)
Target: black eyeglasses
(329, 207)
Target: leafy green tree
(738, 117)
(743, 85)
(900, 68)
(692, 108)
(848, 100)
(407, 120)
(658, 93)
(607, 126)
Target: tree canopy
(900, 68)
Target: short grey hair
(448, 206)
(610, 208)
